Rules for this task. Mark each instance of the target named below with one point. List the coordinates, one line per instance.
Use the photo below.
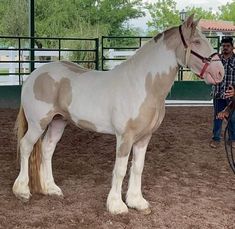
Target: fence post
(97, 53)
(12, 69)
(102, 53)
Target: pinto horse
(128, 102)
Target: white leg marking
(134, 198)
(53, 135)
(115, 205)
(20, 187)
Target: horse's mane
(154, 40)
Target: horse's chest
(154, 118)
(148, 121)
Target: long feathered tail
(21, 128)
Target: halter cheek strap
(203, 70)
(205, 60)
(187, 55)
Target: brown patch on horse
(74, 67)
(157, 37)
(171, 38)
(86, 125)
(59, 94)
(46, 120)
(125, 147)
(143, 141)
(64, 97)
(45, 88)
(151, 111)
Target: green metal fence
(17, 59)
(20, 59)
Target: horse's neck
(155, 59)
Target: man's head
(227, 45)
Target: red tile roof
(213, 25)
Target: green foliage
(227, 12)
(163, 15)
(199, 12)
(14, 20)
(100, 17)
(67, 17)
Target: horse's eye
(197, 42)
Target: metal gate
(17, 59)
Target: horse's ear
(197, 21)
(191, 24)
(189, 21)
(194, 25)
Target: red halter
(205, 60)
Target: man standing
(223, 90)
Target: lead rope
(229, 147)
(187, 55)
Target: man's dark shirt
(229, 77)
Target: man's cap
(227, 40)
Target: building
(217, 28)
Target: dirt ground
(188, 184)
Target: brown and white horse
(127, 101)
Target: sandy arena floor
(188, 184)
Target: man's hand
(222, 115)
(229, 92)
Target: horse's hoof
(115, 207)
(24, 197)
(21, 191)
(54, 190)
(139, 203)
(146, 211)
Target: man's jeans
(219, 105)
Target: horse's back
(70, 90)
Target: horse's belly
(93, 119)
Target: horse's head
(196, 53)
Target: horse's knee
(120, 171)
(25, 148)
(137, 168)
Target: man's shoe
(231, 142)
(214, 144)
(233, 145)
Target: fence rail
(18, 60)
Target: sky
(181, 4)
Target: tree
(107, 17)
(70, 17)
(14, 17)
(199, 12)
(163, 15)
(227, 12)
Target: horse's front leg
(115, 205)
(134, 198)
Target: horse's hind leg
(52, 136)
(21, 185)
(115, 204)
(134, 198)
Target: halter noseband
(205, 60)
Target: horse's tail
(21, 128)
